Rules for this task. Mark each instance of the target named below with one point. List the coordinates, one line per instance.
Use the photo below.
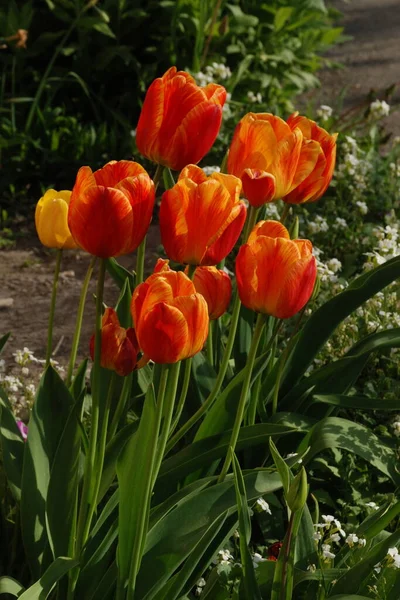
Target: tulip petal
(150, 121)
(51, 220)
(163, 333)
(226, 240)
(296, 288)
(195, 311)
(140, 192)
(216, 287)
(310, 155)
(258, 186)
(115, 171)
(273, 229)
(100, 220)
(231, 183)
(286, 161)
(194, 173)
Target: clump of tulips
(165, 360)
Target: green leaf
(42, 588)
(113, 450)
(123, 306)
(3, 340)
(79, 382)
(250, 585)
(204, 452)
(12, 446)
(168, 178)
(349, 597)
(281, 466)
(134, 469)
(282, 15)
(363, 402)
(62, 494)
(325, 320)
(11, 586)
(204, 376)
(334, 432)
(49, 415)
(119, 273)
(172, 539)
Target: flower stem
(88, 479)
(244, 394)
(79, 319)
(126, 388)
(182, 398)
(285, 213)
(53, 307)
(250, 222)
(210, 345)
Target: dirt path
(371, 59)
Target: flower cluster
(215, 72)
(330, 532)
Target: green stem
(250, 222)
(286, 554)
(53, 307)
(209, 345)
(244, 394)
(168, 408)
(88, 479)
(141, 251)
(182, 398)
(285, 213)
(126, 388)
(191, 271)
(78, 324)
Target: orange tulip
(316, 183)
(270, 157)
(275, 275)
(170, 318)
(119, 346)
(216, 287)
(179, 120)
(111, 209)
(201, 217)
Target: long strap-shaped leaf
(324, 321)
(42, 588)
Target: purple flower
(23, 429)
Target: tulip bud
(216, 287)
(51, 220)
(298, 491)
(294, 229)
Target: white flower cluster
(396, 426)
(387, 243)
(331, 532)
(353, 167)
(327, 271)
(262, 506)
(324, 112)
(214, 72)
(392, 559)
(210, 170)
(379, 109)
(395, 169)
(318, 225)
(254, 98)
(199, 586)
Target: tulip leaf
(204, 376)
(334, 432)
(321, 325)
(168, 179)
(363, 402)
(123, 306)
(119, 273)
(62, 494)
(251, 589)
(243, 337)
(12, 446)
(42, 588)
(11, 586)
(4, 339)
(173, 538)
(134, 469)
(49, 415)
(205, 451)
(113, 450)
(79, 382)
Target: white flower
(132, 133)
(396, 428)
(317, 536)
(377, 568)
(362, 206)
(392, 552)
(324, 112)
(319, 225)
(263, 506)
(362, 542)
(328, 519)
(255, 98)
(257, 558)
(335, 538)
(396, 140)
(210, 170)
(373, 504)
(339, 222)
(199, 586)
(224, 556)
(334, 265)
(352, 539)
(326, 551)
(379, 109)
(312, 568)
(396, 563)
(25, 371)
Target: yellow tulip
(51, 219)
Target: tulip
(170, 318)
(216, 287)
(119, 346)
(111, 209)
(179, 120)
(275, 275)
(270, 157)
(201, 217)
(312, 187)
(51, 219)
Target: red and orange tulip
(119, 346)
(272, 157)
(275, 275)
(201, 217)
(170, 318)
(51, 220)
(216, 287)
(179, 120)
(312, 187)
(111, 209)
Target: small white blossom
(335, 538)
(396, 428)
(339, 222)
(396, 563)
(377, 568)
(392, 552)
(262, 506)
(210, 170)
(312, 568)
(362, 542)
(25, 371)
(362, 207)
(352, 539)
(324, 112)
(317, 536)
(224, 556)
(373, 504)
(379, 109)
(255, 98)
(326, 551)
(257, 558)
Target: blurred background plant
(74, 73)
